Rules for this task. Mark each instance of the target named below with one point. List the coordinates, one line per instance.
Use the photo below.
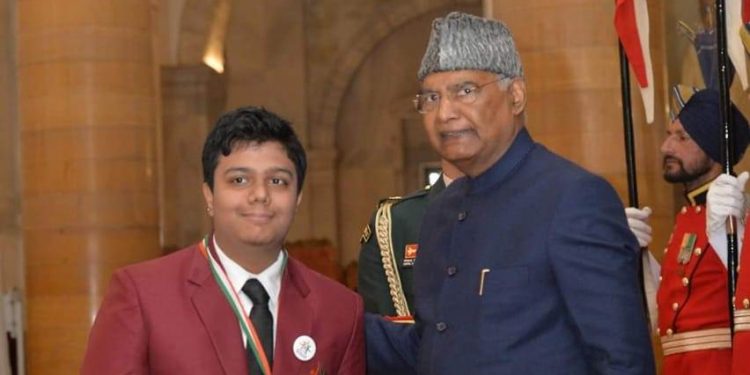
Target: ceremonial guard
(741, 351)
(693, 321)
(726, 198)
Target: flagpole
(627, 120)
(727, 147)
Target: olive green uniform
(390, 239)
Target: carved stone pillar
(88, 109)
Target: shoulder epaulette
(398, 199)
(394, 198)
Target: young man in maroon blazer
(234, 303)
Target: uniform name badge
(410, 254)
(686, 248)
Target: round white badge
(304, 348)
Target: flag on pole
(745, 31)
(631, 23)
(735, 14)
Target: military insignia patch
(686, 248)
(366, 233)
(410, 254)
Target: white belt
(714, 338)
(742, 320)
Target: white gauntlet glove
(725, 198)
(638, 223)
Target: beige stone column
(89, 168)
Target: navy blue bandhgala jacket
(529, 268)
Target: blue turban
(701, 119)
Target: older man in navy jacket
(527, 265)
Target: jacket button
(670, 332)
(697, 209)
(452, 270)
(746, 303)
(685, 281)
(441, 326)
(697, 251)
(675, 306)
(462, 216)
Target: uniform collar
(697, 196)
(521, 146)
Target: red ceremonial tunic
(741, 358)
(692, 298)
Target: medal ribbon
(225, 285)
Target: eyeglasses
(465, 93)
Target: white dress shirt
(270, 278)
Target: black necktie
(262, 319)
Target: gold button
(746, 303)
(698, 251)
(669, 332)
(658, 331)
(660, 278)
(685, 281)
(698, 209)
(675, 306)
(665, 250)
(683, 210)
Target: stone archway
(369, 120)
(324, 111)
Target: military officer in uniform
(693, 316)
(726, 198)
(729, 200)
(741, 349)
(390, 248)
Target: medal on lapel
(304, 348)
(686, 248)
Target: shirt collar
(270, 278)
(446, 180)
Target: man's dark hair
(246, 125)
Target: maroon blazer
(168, 316)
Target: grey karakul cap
(460, 41)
